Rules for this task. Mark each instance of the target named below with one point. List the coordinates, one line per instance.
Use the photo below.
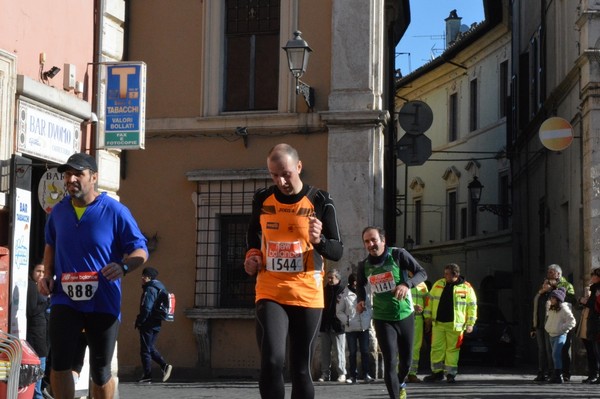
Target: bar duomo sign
(125, 109)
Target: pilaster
(355, 121)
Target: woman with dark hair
(37, 321)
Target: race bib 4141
(382, 282)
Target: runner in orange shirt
(292, 229)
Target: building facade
(219, 96)
(50, 56)
(466, 90)
(555, 74)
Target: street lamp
(298, 51)
(475, 188)
(409, 243)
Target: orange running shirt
(292, 272)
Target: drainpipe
(99, 10)
(389, 157)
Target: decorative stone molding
(417, 185)
(472, 164)
(451, 175)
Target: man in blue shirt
(92, 241)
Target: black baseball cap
(79, 161)
(150, 272)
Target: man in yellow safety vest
(450, 311)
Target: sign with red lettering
(284, 257)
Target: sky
(425, 34)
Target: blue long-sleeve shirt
(105, 233)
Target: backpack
(164, 307)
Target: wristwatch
(125, 268)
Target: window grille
(4, 175)
(223, 214)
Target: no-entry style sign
(415, 117)
(556, 133)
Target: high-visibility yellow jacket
(420, 296)
(464, 303)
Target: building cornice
(227, 123)
(356, 118)
(227, 174)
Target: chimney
(452, 27)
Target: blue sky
(425, 34)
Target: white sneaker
(369, 379)
(167, 372)
(341, 378)
(323, 378)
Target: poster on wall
(51, 189)
(20, 262)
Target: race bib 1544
(284, 257)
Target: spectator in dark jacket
(593, 320)
(149, 323)
(37, 321)
(332, 330)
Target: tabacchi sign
(125, 110)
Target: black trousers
(395, 339)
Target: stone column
(588, 26)
(355, 120)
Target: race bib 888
(80, 286)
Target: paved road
(468, 386)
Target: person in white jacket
(559, 321)
(357, 330)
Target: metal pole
(405, 203)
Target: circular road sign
(413, 150)
(415, 117)
(556, 133)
